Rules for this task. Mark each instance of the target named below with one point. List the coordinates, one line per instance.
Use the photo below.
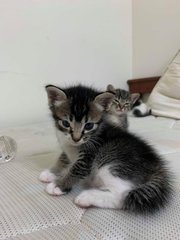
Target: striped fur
(122, 169)
(133, 105)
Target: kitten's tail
(137, 113)
(150, 196)
(141, 110)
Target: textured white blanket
(27, 212)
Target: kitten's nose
(119, 108)
(76, 134)
(76, 139)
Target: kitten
(122, 104)
(76, 114)
(124, 171)
(140, 109)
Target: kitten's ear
(55, 95)
(135, 97)
(104, 100)
(110, 88)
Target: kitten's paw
(52, 189)
(47, 176)
(83, 200)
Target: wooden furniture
(142, 85)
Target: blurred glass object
(8, 149)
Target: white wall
(156, 35)
(59, 42)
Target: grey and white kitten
(124, 172)
(122, 104)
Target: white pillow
(165, 97)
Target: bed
(28, 213)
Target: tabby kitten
(122, 104)
(124, 171)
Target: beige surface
(28, 213)
(155, 35)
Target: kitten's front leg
(49, 175)
(62, 185)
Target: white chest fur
(71, 151)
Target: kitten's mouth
(77, 143)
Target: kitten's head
(123, 101)
(78, 111)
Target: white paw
(83, 200)
(47, 176)
(52, 189)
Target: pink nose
(76, 139)
(119, 108)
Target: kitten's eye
(89, 126)
(65, 123)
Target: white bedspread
(27, 212)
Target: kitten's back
(130, 158)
